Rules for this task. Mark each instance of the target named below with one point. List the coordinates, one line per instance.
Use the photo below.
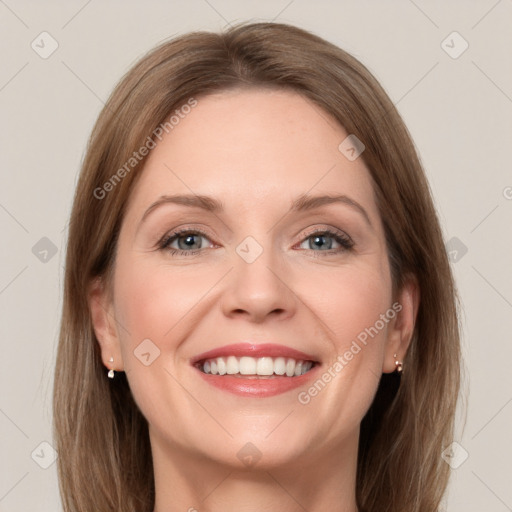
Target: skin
(255, 150)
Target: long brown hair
(102, 437)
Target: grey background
(457, 109)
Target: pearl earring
(111, 371)
(398, 364)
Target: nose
(259, 290)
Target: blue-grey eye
(190, 241)
(326, 240)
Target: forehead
(253, 148)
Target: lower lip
(258, 387)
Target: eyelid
(330, 231)
(182, 229)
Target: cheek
(349, 301)
(156, 304)
(159, 303)
(152, 299)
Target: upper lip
(254, 350)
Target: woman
(259, 313)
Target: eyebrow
(302, 203)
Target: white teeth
(247, 366)
(265, 366)
(290, 367)
(279, 366)
(231, 366)
(221, 366)
(256, 366)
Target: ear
(104, 324)
(401, 328)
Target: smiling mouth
(255, 367)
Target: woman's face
(269, 265)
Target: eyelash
(344, 240)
